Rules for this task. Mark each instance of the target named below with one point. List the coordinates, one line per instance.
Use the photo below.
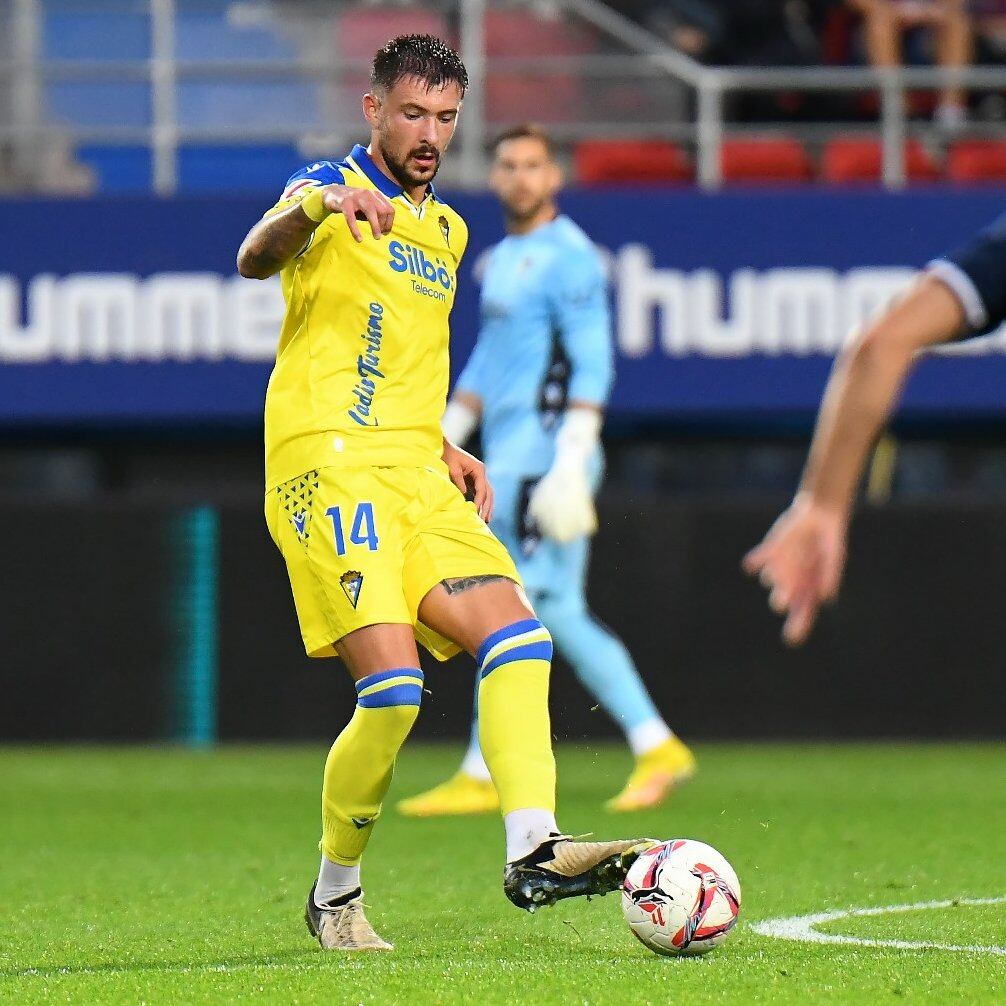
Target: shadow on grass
(227, 964)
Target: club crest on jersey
(352, 584)
(445, 229)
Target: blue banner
(726, 307)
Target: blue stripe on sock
(397, 695)
(399, 672)
(508, 631)
(530, 651)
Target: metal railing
(644, 58)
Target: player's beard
(521, 214)
(400, 171)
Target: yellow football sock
(362, 760)
(514, 732)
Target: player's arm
(563, 501)
(462, 416)
(286, 231)
(802, 557)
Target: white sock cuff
(647, 735)
(526, 829)
(474, 764)
(335, 880)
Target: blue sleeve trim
(963, 288)
(978, 276)
(320, 172)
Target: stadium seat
(361, 31)
(860, 159)
(776, 159)
(514, 96)
(977, 161)
(631, 162)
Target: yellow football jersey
(362, 364)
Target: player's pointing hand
(361, 204)
(800, 562)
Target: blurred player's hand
(469, 475)
(800, 562)
(562, 505)
(361, 204)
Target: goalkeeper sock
(605, 668)
(362, 760)
(514, 665)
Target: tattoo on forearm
(275, 240)
(459, 584)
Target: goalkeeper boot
(562, 867)
(341, 924)
(656, 773)
(461, 794)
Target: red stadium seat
(860, 159)
(768, 160)
(631, 162)
(977, 161)
(516, 96)
(523, 33)
(361, 31)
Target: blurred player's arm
(287, 229)
(562, 503)
(802, 557)
(464, 411)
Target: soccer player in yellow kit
(365, 498)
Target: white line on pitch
(802, 927)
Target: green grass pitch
(168, 876)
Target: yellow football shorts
(366, 545)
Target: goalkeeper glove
(562, 503)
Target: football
(681, 898)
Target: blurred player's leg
(604, 667)
(469, 791)
(384, 664)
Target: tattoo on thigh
(459, 584)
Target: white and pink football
(681, 898)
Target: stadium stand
(203, 31)
(849, 160)
(515, 95)
(766, 160)
(631, 162)
(977, 161)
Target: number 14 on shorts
(362, 528)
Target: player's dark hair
(526, 131)
(427, 57)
